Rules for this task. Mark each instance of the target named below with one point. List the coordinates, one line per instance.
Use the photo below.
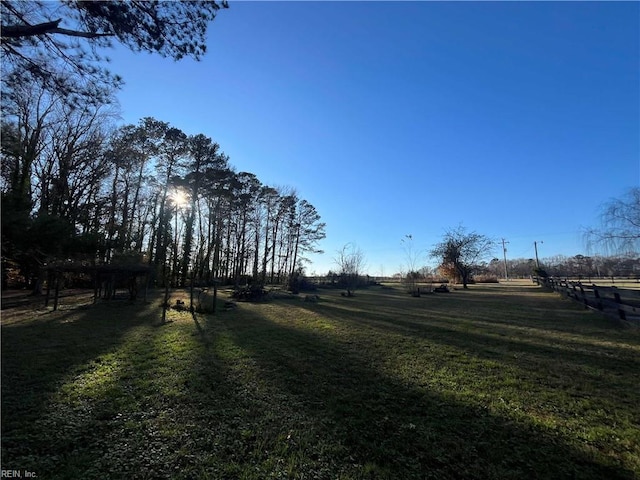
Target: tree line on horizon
(75, 188)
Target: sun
(179, 198)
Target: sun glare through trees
(178, 308)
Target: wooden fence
(621, 303)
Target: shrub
(298, 283)
(540, 272)
(249, 293)
(486, 278)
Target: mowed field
(497, 382)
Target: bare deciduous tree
(462, 252)
(619, 232)
(351, 263)
(412, 256)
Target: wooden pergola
(106, 279)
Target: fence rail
(621, 303)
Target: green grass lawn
(497, 382)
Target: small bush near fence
(486, 278)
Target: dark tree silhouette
(57, 43)
(462, 252)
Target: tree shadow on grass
(39, 356)
(509, 313)
(494, 339)
(562, 380)
(246, 394)
(113, 393)
(397, 431)
(586, 347)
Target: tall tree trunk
(134, 204)
(295, 250)
(111, 228)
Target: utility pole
(504, 253)
(535, 246)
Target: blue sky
(516, 120)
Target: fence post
(584, 297)
(597, 295)
(623, 315)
